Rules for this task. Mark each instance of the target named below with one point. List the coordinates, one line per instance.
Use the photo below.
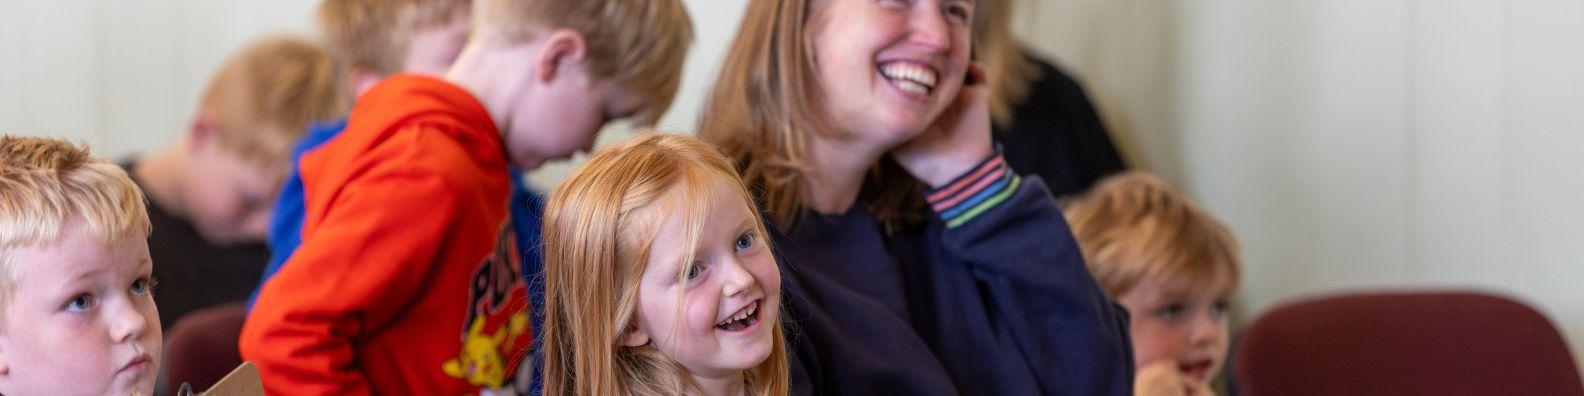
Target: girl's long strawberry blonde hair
(598, 228)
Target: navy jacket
(990, 297)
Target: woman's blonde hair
(598, 229)
(1134, 226)
(765, 105)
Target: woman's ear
(562, 48)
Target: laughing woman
(916, 261)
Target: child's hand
(1161, 378)
(959, 140)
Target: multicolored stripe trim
(971, 194)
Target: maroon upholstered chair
(202, 347)
(1441, 343)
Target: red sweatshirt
(406, 281)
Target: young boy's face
(1174, 321)
(228, 198)
(81, 318)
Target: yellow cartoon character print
(481, 363)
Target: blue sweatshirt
(989, 297)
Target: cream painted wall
(1350, 143)
(122, 75)
(1356, 143)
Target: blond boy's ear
(202, 131)
(635, 337)
(562, 49)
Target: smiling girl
(658, 279)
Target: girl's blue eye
(745, 241)
(80, 303)
(693, 271)
(1219, 310)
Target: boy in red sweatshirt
(406, 281)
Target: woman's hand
(957, 141)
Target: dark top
(189, 272)
(1056, 134)
(990, 298)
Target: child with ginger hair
(659, 277)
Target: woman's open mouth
(910, 77)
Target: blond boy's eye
(80, 303)
(693, 271)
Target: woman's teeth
(909, 77)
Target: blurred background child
(77, 315)
(210, 192)
(659, 279)
(1173, 266)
